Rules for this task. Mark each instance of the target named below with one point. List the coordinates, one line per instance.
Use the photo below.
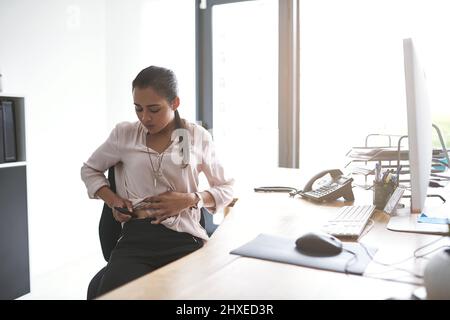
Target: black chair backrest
(109, 229)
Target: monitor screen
(420, 146)
(419, 126)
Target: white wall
(141, 33)
(53, 52)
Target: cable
(419, 276)
(396, 280)
(426, 245)
(293, 193)
(424, 255)
(367, 229)
(355, 258)
(370, 275)
(440, 176)
(404, 260)
(347, 264)
(275, 189)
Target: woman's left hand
(168, 204)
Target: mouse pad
(275, 248)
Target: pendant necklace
(156, 169)
(157, 172)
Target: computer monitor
(419, 126)
(420, 144)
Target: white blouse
(137, 179)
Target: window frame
(288, 74)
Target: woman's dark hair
(163, 81)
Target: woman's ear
(175, 103)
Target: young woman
(157, 163)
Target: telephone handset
(328, 190)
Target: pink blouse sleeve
(221, 186)
(106, 156)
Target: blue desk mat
(280, 249)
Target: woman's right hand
(121, 203)
(113, 200)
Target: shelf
(19, 115)
(11, 95)
(13, 164)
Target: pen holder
(381, 193)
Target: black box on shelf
(9, 131)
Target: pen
(394, 180)
(383, 178)
(388, 177)
(399, 169)
(377, 171)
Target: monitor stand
(405, 221)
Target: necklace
(157, 172)
(156, 169)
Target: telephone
(323, 189)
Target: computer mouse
(318, 244)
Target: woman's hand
(121, 203)
(112, 200)
(168, 204)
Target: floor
(69, 282)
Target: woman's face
(153, 111)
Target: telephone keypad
(339, 186)
(323, 190)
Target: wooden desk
(213, 273)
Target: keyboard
(349, 221)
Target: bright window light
(352, 73)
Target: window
(244, 75)
(352, 74)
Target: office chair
(109, 232)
